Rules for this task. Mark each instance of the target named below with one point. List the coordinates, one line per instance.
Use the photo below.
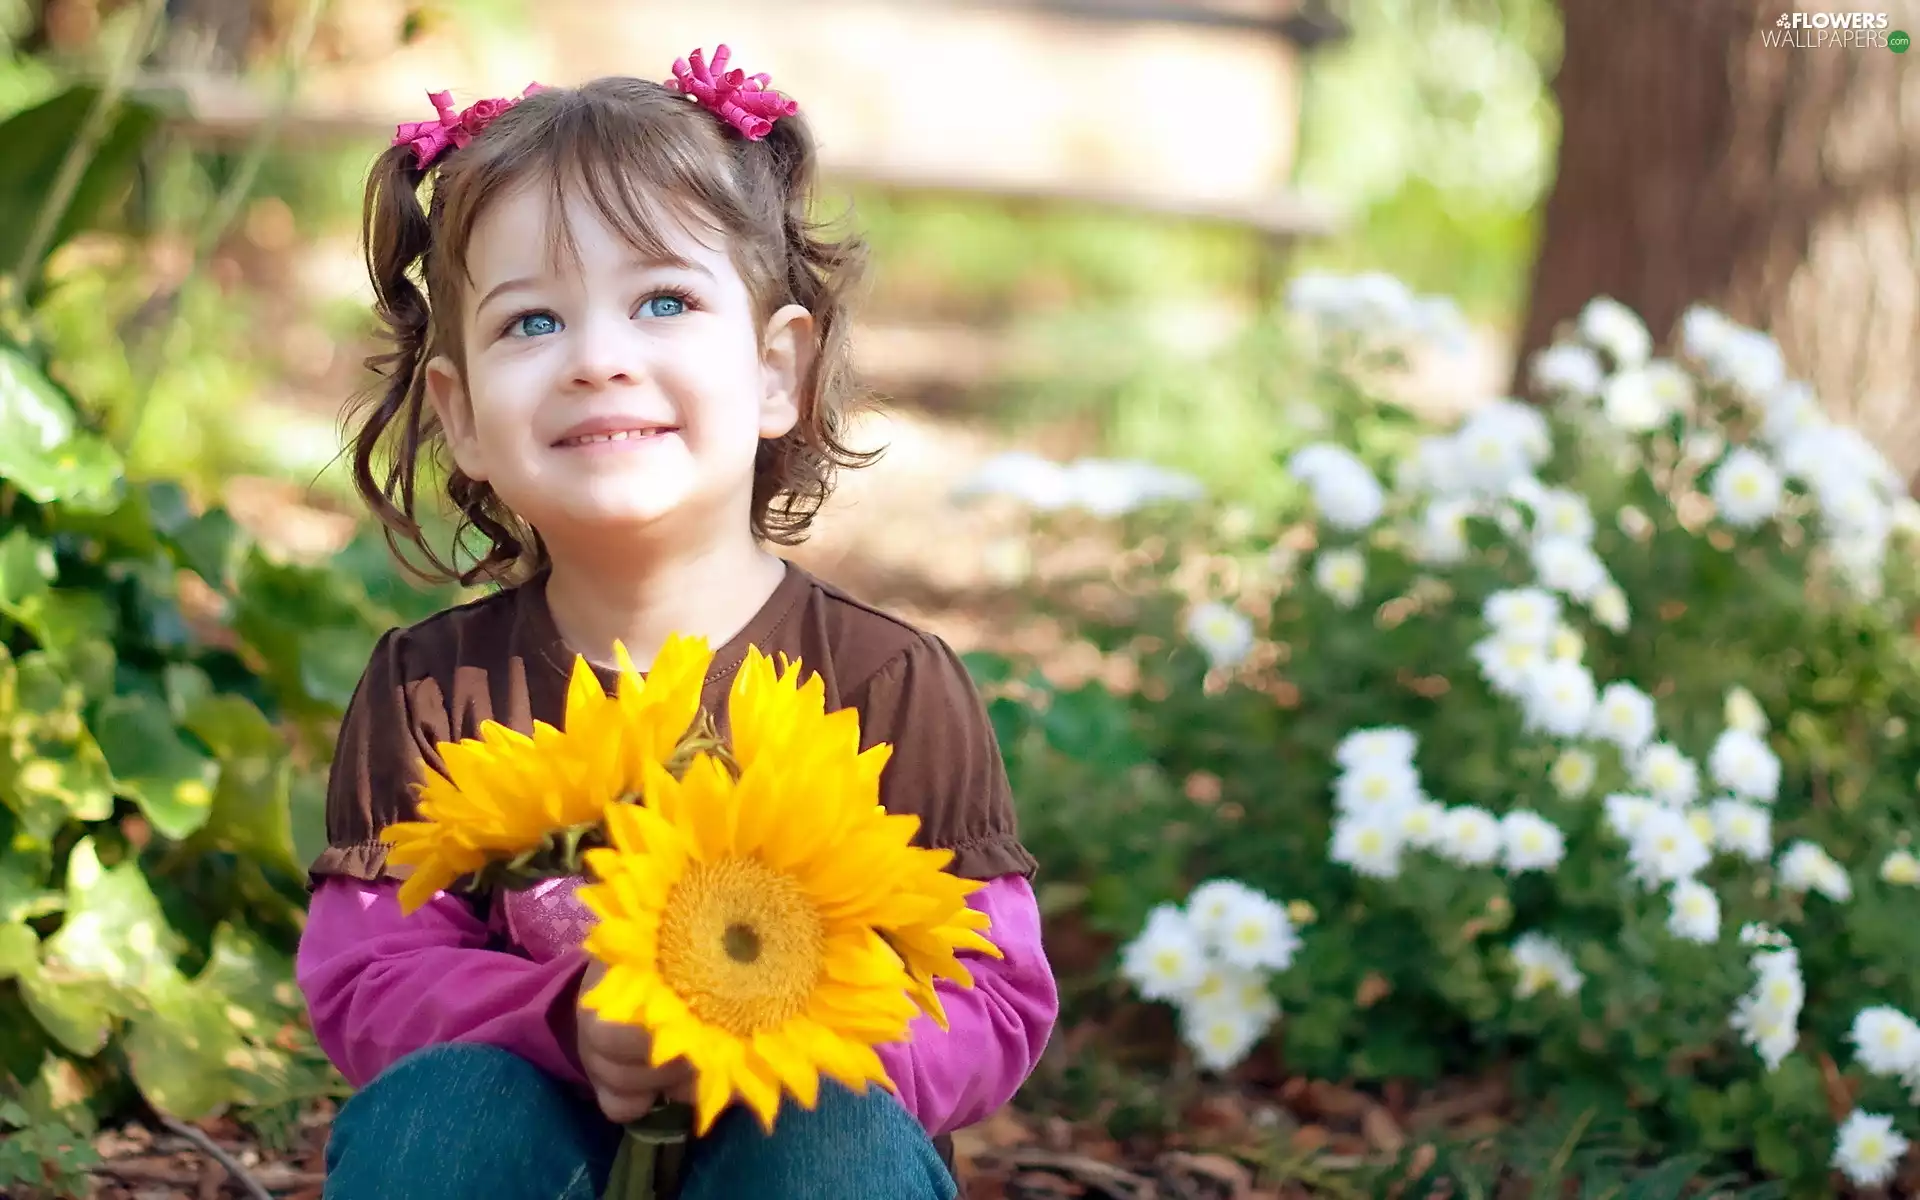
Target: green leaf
(231, 725)
(114, 928)
(25, 865)
(41, 450)
(180, 1050)
(19, 950)
(76, 1010)
(37, 140)
(170, 780)
(331, 663)
(211, 545)
(26, 570)
(252, 812)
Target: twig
(239, 1173)
(226, 207)
(74, 166)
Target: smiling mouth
(623, 435)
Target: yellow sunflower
(504, 793)
(737, 918)
(775, 713)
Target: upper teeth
(621, 436)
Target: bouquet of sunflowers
(759, 913)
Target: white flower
(1499, 443)
(1569, 567)
(1347, 494)
(1166, 960)
(1696, 912)
(1670, 775)
(1750, 361)
(1560, 513)
(1470, 836)
(1221, 1034)
(1626, 813)
(1746, 488)
(1422, 824)
(1211, 906)
(1258, 935)
(1768, 1017)
(1868, 1148)
(1742, 828)
(1382, 785)
(1886, 1041)
(1805, 867)
(1111, 487)
(1223, 633)
(1507, 663)
(1901, 868)
(1745, 765)
(1560, 698)
(1230, 987)
(1568, 369)
(1531, 842)
(1340, 574)
(1613, 327)
(1037, 482)
(1701, 822)
(1742, 711)
(1665, 849)
(1370, 843)
(1543, 963)
(1624, 716)
(1567, 645)
(1791, 411)
(1755, 934)
(1573, 773)
(1380, 744)
(1705, 334)
(1442, 538)
(1523, 614)
(1433, 467)
(1609, 607)
(1631, 401)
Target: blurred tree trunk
(1780, 184)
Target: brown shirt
(501, 658)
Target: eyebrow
(528, 281)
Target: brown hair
(621, 141)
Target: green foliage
(167, 695)
(1221, 763)
(37, 140)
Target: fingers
(626, 1045)
(621, 1107)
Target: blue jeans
(459, 1121)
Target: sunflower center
(742, 944)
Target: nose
(605, 353)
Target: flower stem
(652, 1153)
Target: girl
(629, 361)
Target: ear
(447, 393)
(786, 354)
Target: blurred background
(1090, 221)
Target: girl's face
(608, 394)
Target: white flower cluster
(1768, 1016)
(1213, 960)
(1103, 487)
(1860, 499)
(1223, 633)
(1886, 1042)
(1377, 307)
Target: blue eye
(663, 306)
(535, 324)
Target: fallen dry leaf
(1382, 1132)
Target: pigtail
(394, 417)
(820, 271)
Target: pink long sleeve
(995, 1029)
(380, 985)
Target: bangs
(651, 163)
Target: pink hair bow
(451, 130)
(741, 100)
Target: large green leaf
(181, 1048)
(114, 928)
(37, 140)
(42, 451)
(26, 570)
(75, 1009)
(170, 780)
(19, 950)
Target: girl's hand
(615, 1059)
